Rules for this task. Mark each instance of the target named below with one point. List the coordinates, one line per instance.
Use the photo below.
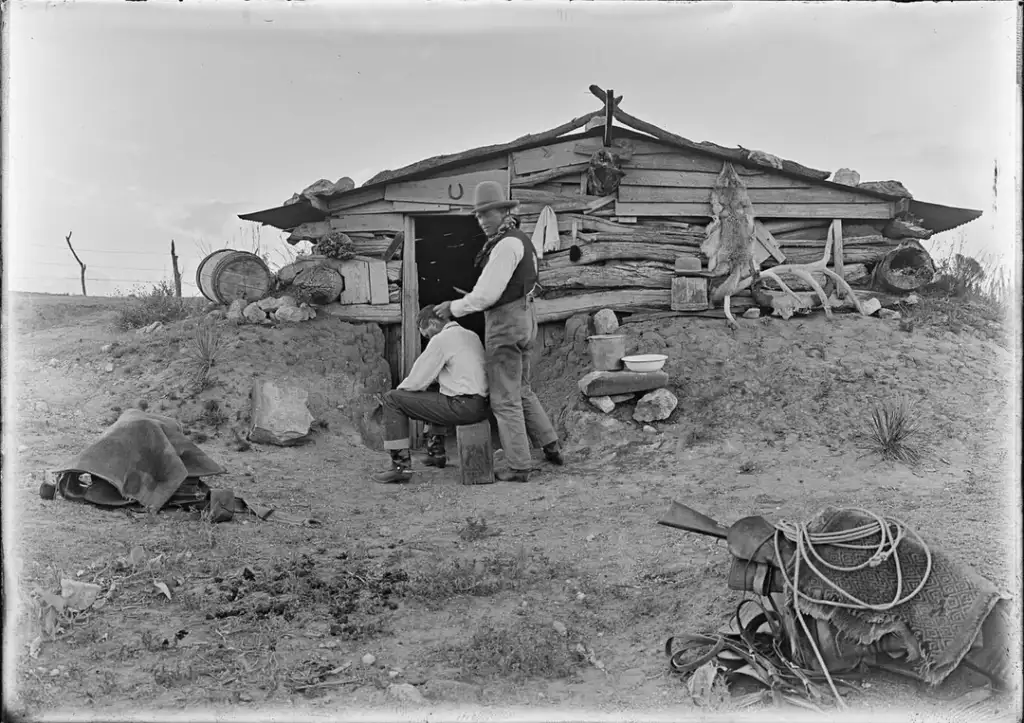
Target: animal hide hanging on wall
(729, 241)
(604, 173)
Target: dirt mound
(340, 365)
(774, 380)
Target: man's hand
(444, 310)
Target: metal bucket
(606, 351)
(226, 275)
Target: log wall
(618, 251)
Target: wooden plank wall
(662, 181)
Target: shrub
(142, 307)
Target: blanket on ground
(944, 618)
(145, 458)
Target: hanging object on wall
(604, 173)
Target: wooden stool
(476, 453)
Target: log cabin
(628, 245)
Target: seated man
(454, 360)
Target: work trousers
(510, 334)
(430, 406)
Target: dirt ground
(557, 594)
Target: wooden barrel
(226, 275)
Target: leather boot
(400, 471)
(553, 453)
(436, 454)
(513, 475)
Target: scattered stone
(105, 348)
(605, 404)
(560, 628)
(384, 532)
(369, 659)
(605, 383)
(293, 314)
(279, 414)
(649, 429)
(591, 538)
(656, 406)
(605, 322)
(405, 693)
(619, 398)
(912, 300)
(581, 596)
(109, 367)
(244, 697)
(54, 362)
(752, 313)
(235, 310)
(151, 328)
(217, 314)
(889, 314)
(42, 407)
(78, 595)
(393, 673)
(871, 306)
(846, 176)
(254, 314)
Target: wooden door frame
(411, 343)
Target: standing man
(453, 360)
(504, 292)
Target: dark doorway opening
(446, 249)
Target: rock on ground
(605, 404)
(279, 414)
(605, 322)
(235, 310)
(656, 406)
(404, 693)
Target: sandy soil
(771, 421)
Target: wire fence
(144, 261)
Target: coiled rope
(806, 554)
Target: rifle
(751, 542)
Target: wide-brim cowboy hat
(489, 195)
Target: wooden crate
(689, 293)
(476, 453)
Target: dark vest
(525, 276)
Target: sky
(135, 123)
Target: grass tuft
(522, 649)
(892, 428)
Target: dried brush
(892, 426)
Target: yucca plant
(892, 429)
(205, 348)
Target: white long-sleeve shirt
(505, 257)
(454, 358)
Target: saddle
(761, 559)
(751, 542)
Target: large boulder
(279, 414)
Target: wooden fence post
(68, 239)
